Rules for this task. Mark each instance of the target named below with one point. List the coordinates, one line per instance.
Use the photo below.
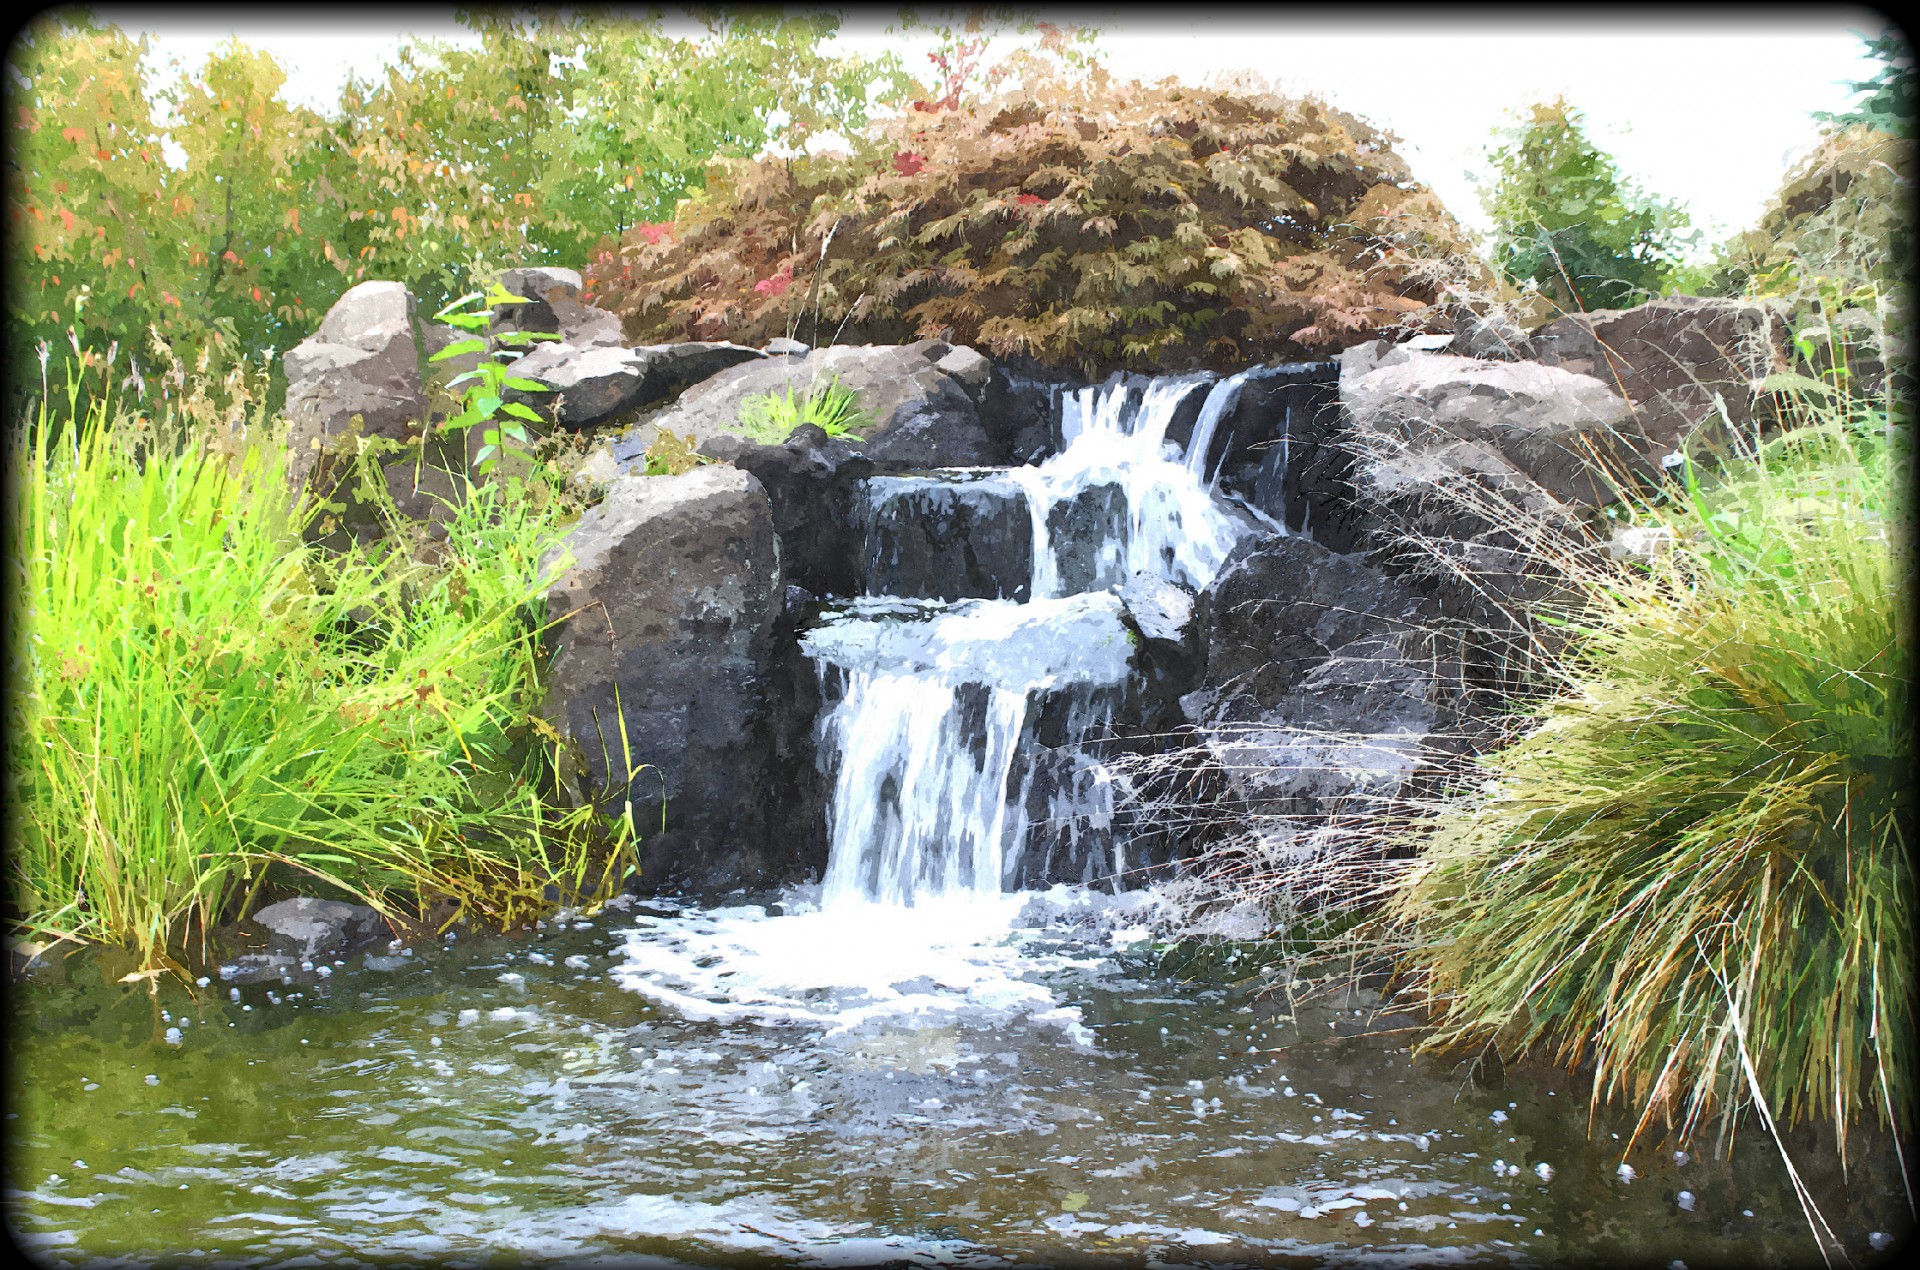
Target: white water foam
(1173, 526)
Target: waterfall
(955, 713)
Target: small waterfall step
(959, 696)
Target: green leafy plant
(1076, 221)
(770, 418)
(485, 398)
(1693, 870)
(202, 702)
(672, 454)
(1567, 220)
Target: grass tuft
(204, 703)
(1692, 871)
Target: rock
(1414, 409)
(590, 385)
(555, 307)
(1159, 611)
(946, 536)
(668, 608)
(596, 385)
(363, 362)
(1680, 361)
(781, 346)
(674, 368)
(435, 337)
(1315, 697)
(919, 416)
(1494, 336)
(307, 929)
(814, 487)
(968, 368)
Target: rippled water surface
(725, 1086)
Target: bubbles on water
(1498, 1117)
(152, 1079)
(1544, 1171)
(173, 1036)
(1685, 1200)
(1625, 1172)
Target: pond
(1006, 1080)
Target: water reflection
(1048, 1096)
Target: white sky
(1707, 111)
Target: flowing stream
(925, 1058)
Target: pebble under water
(732, 1086)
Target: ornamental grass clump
(770, 418)
(205, 706)
(1692, 872)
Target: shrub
(770, 418)
(1565, 219)
(200, 696)
(1085, 223)
(1693, 870)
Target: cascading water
(957, 701)
(929, 705)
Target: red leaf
(73, 134)
(654, 233)
(777, 284)
(256, 295)
(66, 218)
(1030, 200)
(906, 162)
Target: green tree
(1886, 98)
(1566, 219)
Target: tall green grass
(203, 702)
(1693, 870)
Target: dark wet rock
(1316, 697)
(813, 486)
(307, 929)
(947, 536)
(1079, 528)
(668, 609)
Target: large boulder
(666, 619)
(1416, 412)
(921, 401)
(1317, 697)
(554, 307)
(1685, 363)
(815, 485)
(364, 364)
(597, 384)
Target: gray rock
(1413, 409)
(590, 385)
(594, 385)
(363, 362)
(1316, 698)
(1159, 611)
(1686, 363)
(667, 609)
(306, 929)
(781, 346)
(968, 368)
(1491, 336)
(919, 416)
(555, 307)
(674, 368)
